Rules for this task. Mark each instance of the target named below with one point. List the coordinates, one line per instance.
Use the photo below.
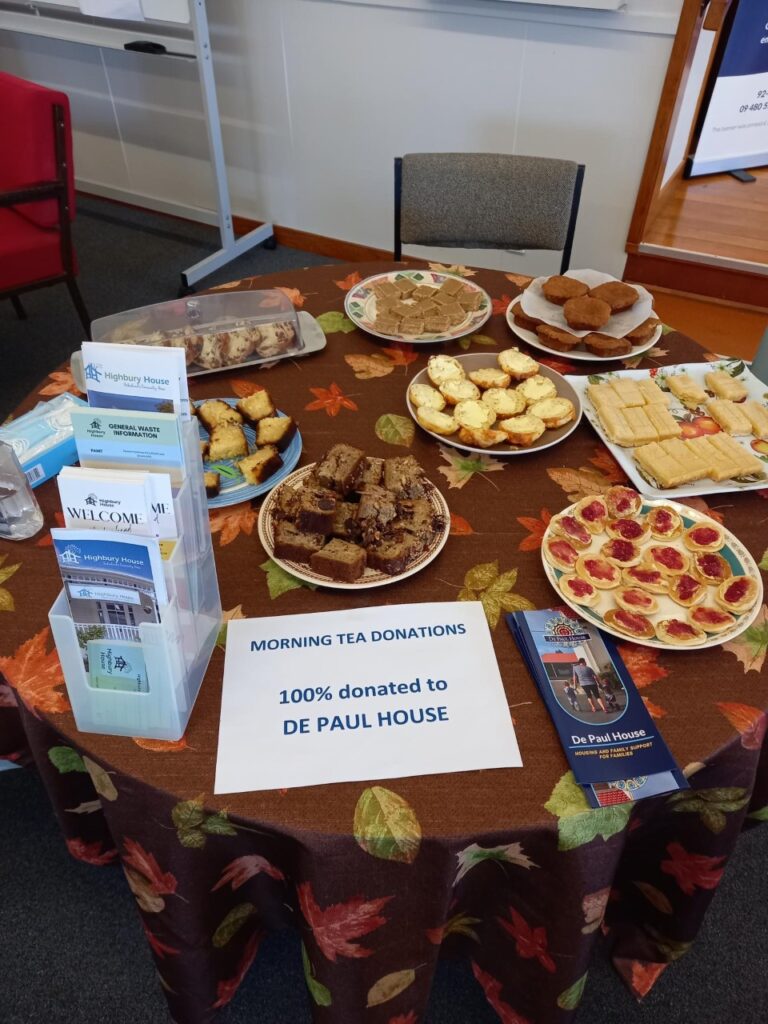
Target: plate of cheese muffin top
(351, 522)
(505, 404)
(651, 571)
(247, 446)
(419, 306)
(585, 315)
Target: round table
(509, 867)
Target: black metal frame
(575, 201)
(58, 190)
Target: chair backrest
(29, 149)
(487, 201)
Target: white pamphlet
(364, 693)
(126, 501)
(144, 378)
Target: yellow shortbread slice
(729, 416)
(725, 386)
(686, 389)
(757, 414)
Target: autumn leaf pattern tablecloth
(507, 867)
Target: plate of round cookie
(418, 306)
(432, 507)
(651, 571)
(585, 315)
(505, 404)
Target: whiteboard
(154, 10)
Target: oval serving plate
(370, 578)
(733, 550)
(480, 361)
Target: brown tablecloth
(508, 867)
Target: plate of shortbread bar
(247, 446)
(351, 522)
(419, 306)
(651, 570)
(678, 431)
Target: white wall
(318, 96)
(678, 150)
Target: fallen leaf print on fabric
(405, 1018)
(231, 522)
(385, 825)
(242, 869)
(560, 365)
(642, 664)
(484, 583)
(232, 924)
(521, 280)
(160, 949)
(226, 618)
(90, 853)
(481, 340)
(500, 306)
(225, 990)
(137, 858)
(7, 603)
(750, 647)
(692, 871)
(319, 993)
(761, 814)
(335, 927)
(349, 281)
(245, 388)
(579, 483)
(87, 807)
(454, 268)
(401, 353)
(530, 943)
(60, 381)
(492, 989)
(536, 530)
(332, 399)
(654, 710)
(459, 924)
(655, 897)
(763, 563)
(670, 949)
(389, 986)
(461, 468)
(293, 294)
(102, 783)
(193, 825)
(65, 759)
(334, 322)
(640, 975)
(570, 997)
(280, 581)
(578, 823)
(701, 506)
(748, 721)
(711, 805)
(606, 464)
(161, 746)
(369, 366)
(36, 675)
(460, 527)
(473, 855)
(593, 907)
(394, 429)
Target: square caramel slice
(452, 286)
(424, 291)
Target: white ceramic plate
(575, 354)
(360, 306)
(234, 488)
(692, 421)
(535, 304)
(733, 551)
(371, 577)
(481, 360)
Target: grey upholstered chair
(486, 201)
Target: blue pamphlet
(610, 740)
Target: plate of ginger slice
(651, 571)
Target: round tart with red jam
(579, 591)
(652, 580)
(686, 590)
(598, 571)
(710, 567)
(574, 531)
(711, 620)
(633, 599)
(560, 553)
(592, 512)
(704, 537)
(679, 633)
(664, 522)
(623, 553)
(737, 594)
(627, 529)
(634, 624)
(669, 560)
(623, 501)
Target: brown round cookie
(557, 338)
(644, 332)
(618, 295)
(586, 314)
(522, 319)
(559, 289)
(605, 346)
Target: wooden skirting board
(698, 279)
(335, 248)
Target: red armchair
(37, 193)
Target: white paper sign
(123, 10)
(369, 693)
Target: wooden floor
(717, 215)
(726, 330)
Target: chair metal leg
(77, 299)
(21, 313)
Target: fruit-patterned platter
(652, 571)
(694, 422)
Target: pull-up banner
(732, 129)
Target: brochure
(143, 378)
(114, 582)
(119, 500)
(607, 733)
(117, 665)
(122, 439)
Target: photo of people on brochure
(585, 683)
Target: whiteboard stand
(231, 247)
